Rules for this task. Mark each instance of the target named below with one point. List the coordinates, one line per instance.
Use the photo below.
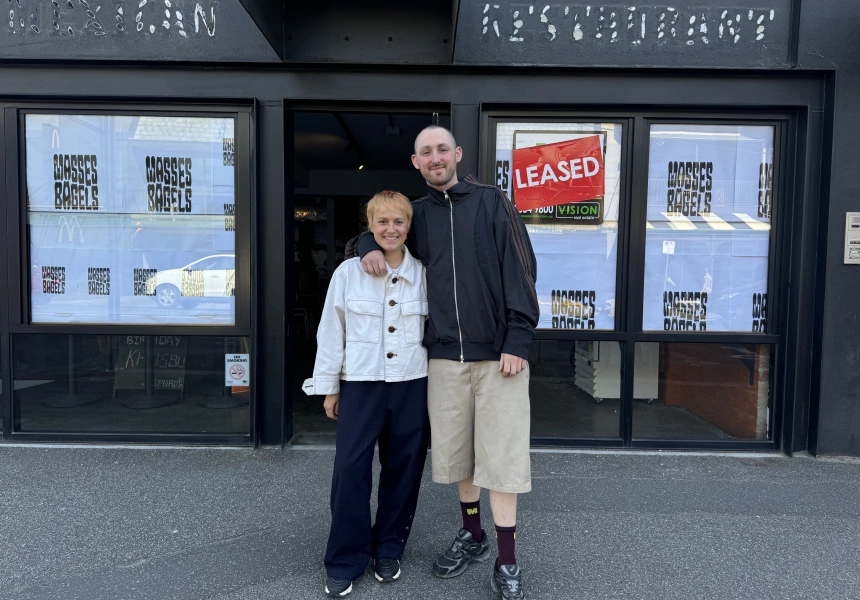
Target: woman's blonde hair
(389, 199)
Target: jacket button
(391, 303)
(394, 280)
(392, 329)
(390, 355)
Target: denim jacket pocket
(414, 315)
(363, 321)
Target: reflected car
(209, 277)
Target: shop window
(565, 179)
(707, 392)
(575, 389)
(710, 198)
(131, 219)
(131, 383)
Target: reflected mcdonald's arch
(70, 224)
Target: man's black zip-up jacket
(490, 307)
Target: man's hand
(510, 365)
(373, 263)
(331, 404)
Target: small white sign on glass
(236, 371)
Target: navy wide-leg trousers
(396, 415)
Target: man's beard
(441, 178)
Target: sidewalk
(226, 524)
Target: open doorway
(342, 158)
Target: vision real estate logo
(76, 182)
(168, 180)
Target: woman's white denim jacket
(371, 328)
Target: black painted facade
(796, 60)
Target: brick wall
(714, 382)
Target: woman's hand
(332, 401)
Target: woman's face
(389, 228)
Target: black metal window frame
(5, 373)
(631, 255)
(16, 311)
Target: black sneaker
(462, 552)
(387, 569)
(507, 582)
(337, 587)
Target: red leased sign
(559, 173)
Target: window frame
(5, 249)
(774, 255)
(631, 247)
(19, 314)
(491, 119)
(779, 259)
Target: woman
(372, 368)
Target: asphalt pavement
(241, 524)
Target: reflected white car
(209, 277)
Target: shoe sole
(345, 592)
(381, 579)
(462, 569)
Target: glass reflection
(574, 232)
(708, 392)
(575, 389)
(710, 196)
(128, 384)
(131, 219)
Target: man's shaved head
(431, 128)
(436, 156)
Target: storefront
(171, 227)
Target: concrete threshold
(331, 447)
(114, 446)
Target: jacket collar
(410, 269)
(456, 192)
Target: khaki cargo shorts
(479, 425)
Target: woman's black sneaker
(337, 587)
(507, 582)
(387, 569)
(463, 551)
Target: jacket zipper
(454, 264)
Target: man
(483, 310)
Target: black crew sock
(507, 538)
(471, 512)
